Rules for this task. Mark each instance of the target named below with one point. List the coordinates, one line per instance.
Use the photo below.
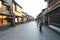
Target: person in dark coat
(40, 24)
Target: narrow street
(28, 31)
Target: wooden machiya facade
(53, 12)
(20, 17)
(54, 17)
(7, 17)
(16, 11)
(11, 13)
(4, 13)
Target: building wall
(44, 18)
(18, 12)
(24, 19)
(55, 3)
(3, 10)
(49, 20)
(10, 3)
(53, 17)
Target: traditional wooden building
(52, 12)
(4, 13)
(20, 16)
(11, 13)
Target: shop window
(3, 20)
(20, 19)
(55, 19)
(16, 20)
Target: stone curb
(55, 29)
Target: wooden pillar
(48, 20)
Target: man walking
(40, 24)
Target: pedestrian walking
(40, 24)
(37, 23)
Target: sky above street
(32, 7)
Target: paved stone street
(28, 31)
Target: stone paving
(28, 31)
